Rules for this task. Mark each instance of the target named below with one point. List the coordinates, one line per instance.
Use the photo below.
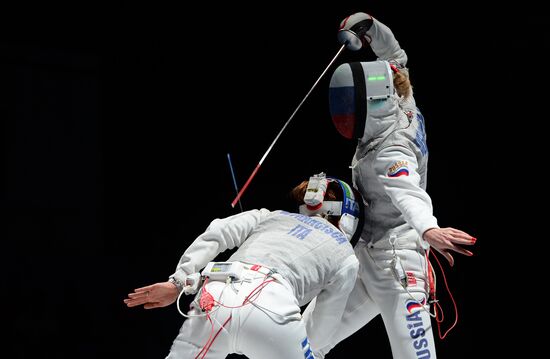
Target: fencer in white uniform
(389, 170)
(283, 261)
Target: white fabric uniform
(389, 169)
(311, 257)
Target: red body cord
(207, 302)
(439, 317)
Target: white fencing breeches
(377, 291)
(269, 328)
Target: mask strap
(360, 98)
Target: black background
(117, 121)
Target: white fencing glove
(353, 30)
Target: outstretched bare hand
(153, 296)
(449, 239)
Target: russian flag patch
(398, 168)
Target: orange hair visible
(333, 193)
(402, 83)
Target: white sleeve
(221, 234)
(384, 44)
(330, 303)
(396, 168)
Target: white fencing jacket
(391, 160)
(309, 252)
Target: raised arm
(376, 34)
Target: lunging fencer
(251, 303)
(372, 103)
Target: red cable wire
(207, 347)
(211, 339)
(206, 305)
(208, 341)
(437, 304)
(262, 285)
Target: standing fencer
(250, 304)
(372, 102)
